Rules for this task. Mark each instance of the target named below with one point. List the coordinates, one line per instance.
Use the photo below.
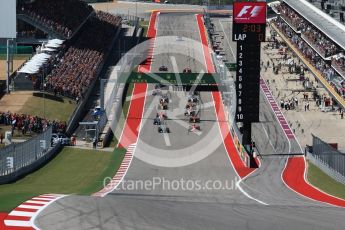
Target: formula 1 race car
(163, 129)
(164, 99)
(163, 103)
(194, 119)
(157, 91)
(193, 99)
(187, 70)
(163, 68)
(160, 117)
(157, 121)
(194, 128)
(190, 105)
(163, 106)
(190, 112)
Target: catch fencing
(14, 157)
(328, 159)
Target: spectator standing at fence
(73, 140)
(94, 142)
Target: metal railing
(16, 156)
(328, 159)
(129, 19)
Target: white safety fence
(16, 156)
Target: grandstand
(72, 42)
(83, 57)
(59, 17)
(67, 75)
(321, 45)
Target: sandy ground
(3, 69)
(15, 101)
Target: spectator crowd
(28, 124)
(62, 16)
(325, 69)
(321, 42)
(339, 63)
(77, 68)
(73, 67)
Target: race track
(162, 208)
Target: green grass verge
(73, 171)
(324, 182)
(54, 110)
(16, 56)
(124, 113)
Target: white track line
(268, 138)
(226, 37)
(166, 139)
(238, 183)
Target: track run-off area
(276, 194)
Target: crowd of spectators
(320, 41)
(62, 16)
(27, 124)
(313, 57)
(25, 30)
(339, 63)
(77, 68)
(46, 68)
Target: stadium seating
(62, 16)
(313, 57)
(77, 68)
(321, 42)
(339, 63)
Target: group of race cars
(192, 110)
(163, 68)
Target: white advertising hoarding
(7, 18)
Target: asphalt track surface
(162, 208)
(171, 26)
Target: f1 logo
(254, 12)
(250, 12)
